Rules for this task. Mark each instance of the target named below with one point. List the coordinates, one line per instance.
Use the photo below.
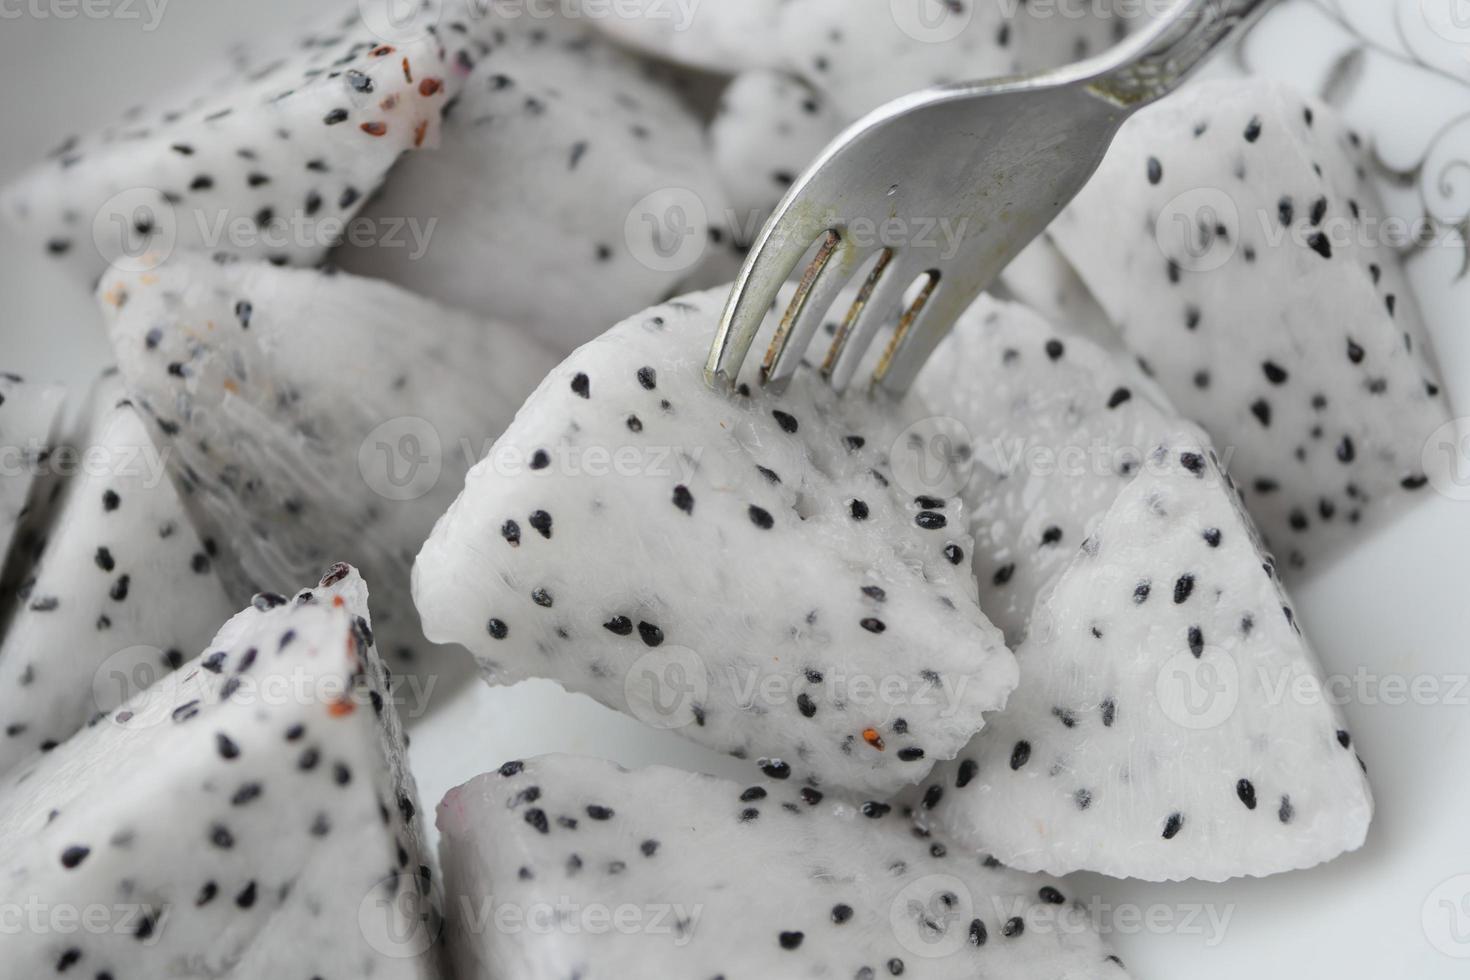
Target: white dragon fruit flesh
(745, 567)
(572, 189)
(123, 589)
(308, 415)
(251, 815)
(768, 129)
(863, 54)
(267, 162)
(1233, 240)
(1171, 720)
(713, 879)
(1047, 429)
(29, 418)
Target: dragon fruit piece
(745, 882)
(863, 55)
(743, 567)
(564, 161)
(1171, 720)
(307, 415)
(29, 418)
(768, 129)
(124, 585)
(721, 37)
(1050, 429)
(290, 845)
(268, 162)
(1285, 326)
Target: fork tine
(877, 303)
(781, 245)
(809, 308)
(924, 329)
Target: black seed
(110, 500)
(761, 518)
(635, 424)
(1344, 739)
(1286, 811)
(73, 856)
(1013, 927)
(791, 940)
(511, 532)
(1261, 409)
(968, 769)
(683, 499)
(542, 598)
(873, 625)
(841, 913)
(1172, 825)
(954, 553)
(497, 629)
(649, 848)
(1054, 349)
(536, 817)
(771, 475)
(335, 116)
(1247, 793)
(1051, 896)
(1253, 129)
(1140, 593)
(651, 634)
(874, 810)
(540, 460)
(648, 378)
(1118, 397)
(753, 794)
(1212, 537)
(1083, 799)
(858, 509)
(932, 796)
(582, 385)
(1155, 170)
(541, 521)
(810, 797)
(930, 521)
(786, 421)
(805, 705)
(1196, 641)
(1319, 244)
(776, 769)
(1275, 373)
(226, 746)
(911, 754)
(1346, 450)
(1183, 589)
(220, 836)
(854, 443)
(1020, 754)
(621, 625)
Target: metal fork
(998, 159)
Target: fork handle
(1158, 60)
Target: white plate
(1392, 618)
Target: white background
(1400, 604)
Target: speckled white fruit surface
(756, 555)
(715, 878)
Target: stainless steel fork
(997, 160)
